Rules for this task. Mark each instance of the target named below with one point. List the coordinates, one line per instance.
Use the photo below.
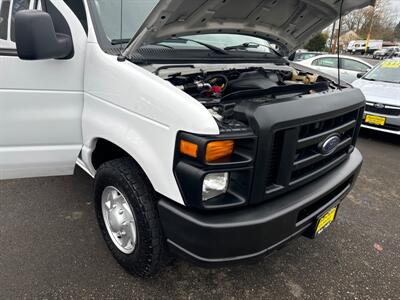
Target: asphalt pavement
(51, 247)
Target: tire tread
(152, 246)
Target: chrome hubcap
(119, 219)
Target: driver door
(350, 68)
(41, 101)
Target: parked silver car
(349, 66)
(381, 87)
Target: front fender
(141, 113)
(150, 144)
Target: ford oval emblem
(330, 144)
(379, 105)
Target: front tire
(128, 218)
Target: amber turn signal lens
(219, 149)
(188, 148)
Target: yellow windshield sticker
(391, 64)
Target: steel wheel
(119, 219)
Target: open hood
(287, 23)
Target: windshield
(134, 13)
(120, 20)
(221, 40)
(388, 71)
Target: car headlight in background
(215, 184)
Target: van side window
(16, 7)
(4, 13)
(78, 9)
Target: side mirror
(359, 75)
(37, 39)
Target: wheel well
(106, 151)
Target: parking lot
(51, 246)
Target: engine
(222, 90)
(217, 85)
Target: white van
(359, 46)
(202, 139)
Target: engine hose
(213, 80)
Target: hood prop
(338, 42)
(121, 57)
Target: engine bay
(221, 90)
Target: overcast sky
(396, 4)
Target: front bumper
(222, 236)
(392, 124)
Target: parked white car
(349, 66)
(210, 147)
(381, 87)
(387, 52)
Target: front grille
(389, 111)
(302, 160)
(275, 158)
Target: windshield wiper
(161, 45)
(126, 41)
(120, 41)
(253, 45)
(387, 81)
(209, 46)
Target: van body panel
(45, 137)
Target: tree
(397, 32)
(354, 20)
(317, 43)
(381, 20)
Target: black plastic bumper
(222, 236)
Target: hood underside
(287, 23)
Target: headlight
(219, 149)
(215, 172)
(214, 150)
(215, 184)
